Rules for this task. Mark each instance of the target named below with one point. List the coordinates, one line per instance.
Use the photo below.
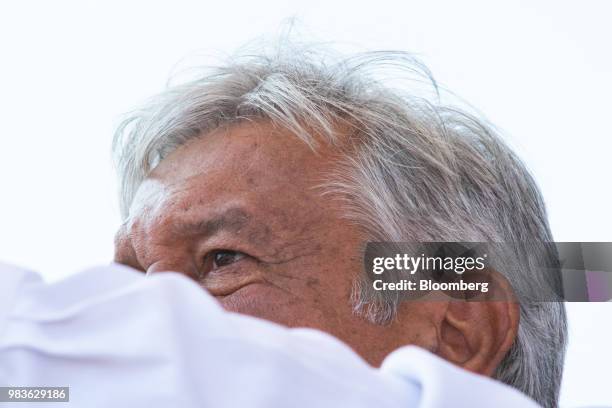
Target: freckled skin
(301, 256)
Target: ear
(477, 333)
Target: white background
(540, 70)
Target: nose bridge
(159, 247)
(171, 264)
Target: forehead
(247, 147)
(250, 162)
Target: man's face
(240, 212)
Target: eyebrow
(231, 219)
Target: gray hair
(420, 171)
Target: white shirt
(118, 339)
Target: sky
(539, 70)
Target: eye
(224, 257)
(218, 259)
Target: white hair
(420, 171)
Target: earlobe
(477, 334)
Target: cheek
(270, 303)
